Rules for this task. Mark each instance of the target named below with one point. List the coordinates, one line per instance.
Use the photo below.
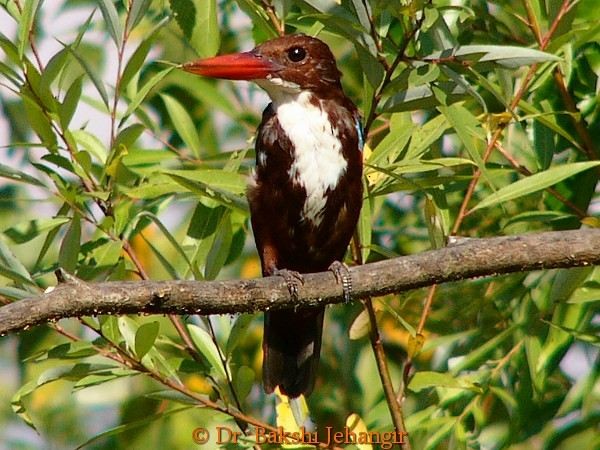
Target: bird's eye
(296, 54)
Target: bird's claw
(292, 280)
(343, 277)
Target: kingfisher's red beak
(237, 66)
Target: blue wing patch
(360, 132)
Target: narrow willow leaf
(208, 93)
(168, 235)
(64, 209)
(424, 379)
(136, 60)
(26, 231)
(394, 143)
(111, 18)
(509, 57)
(208, 349)
(544, 217)
(10, 50)
(39, 121)
(70, 350)
(128, 328)
(469, 130)
(68, 254)
(244, 381)
(198, 21)
(54, 67)
(226, 187)
(167, 263)
(93, 74)
(154, 190)
(12, 268)
(262, 27)
(183, 124)
(145, 336)
(220, 248)
(205, 220)
(145, 90)
(364, 228)
(424, 136)
(26, 24)
(371, 66)
(534, 183)
(238, 332)
(12, 293)
(422, 97)
(91, 143)
(17, 175)
(137, 9)
(69, 105)
(123, 428)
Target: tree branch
(468, 259)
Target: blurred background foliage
(116, 165)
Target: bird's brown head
(294, 62)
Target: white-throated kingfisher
(306, 192)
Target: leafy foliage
(480, 120)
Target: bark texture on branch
(471, 258)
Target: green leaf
(92, 73)
(219, 250)
(424, 136)
(423, 97)
(543, 217)
(198, 21)
(238, 332)
(505, 56)
(26, 24)
(91, 143)
(243, 382)
(39, 121)
(68, 254)
(589, 292)
(364, 227)
(128, 328)
(10, 49)
(70, 350)
(68, 372)
(137, 59)
(392, 145)
(111, 19)
(424, 379)
(205, 220)
(183, 123)
(144, 422)
(208, 349)
(12, 268)
(26, 231)
(145, 336)
(137, 10)
(69, 105)
(469, 130)
(225, 187)
(534, 183)
(262, 28)
(169, 237)
(145, 90)
(17, 175)
(108, 254)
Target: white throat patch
(318, 162)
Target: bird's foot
(343, 277)
(292, 279)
